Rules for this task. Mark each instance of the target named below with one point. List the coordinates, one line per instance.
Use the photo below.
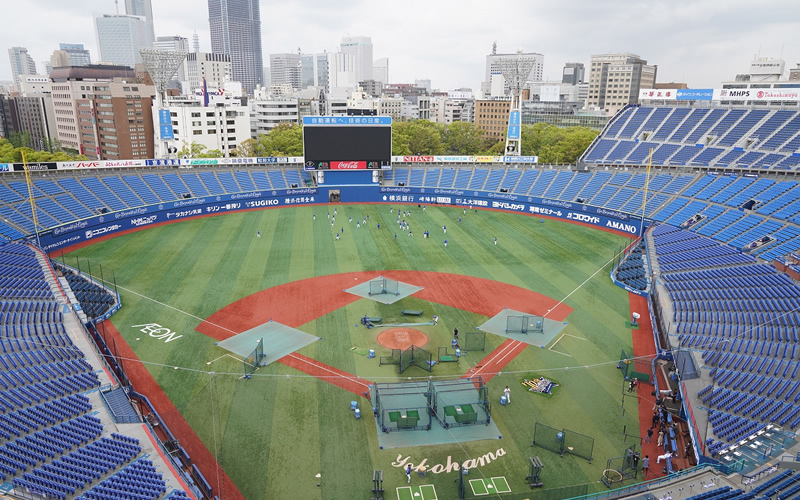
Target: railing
(649, 485)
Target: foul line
(226, 354)
(581, 285)
(556, 342)
(510, 346)
(167, 306)
(343, 375)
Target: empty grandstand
(721, 198)
(56, 440)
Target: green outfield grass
(275, 432)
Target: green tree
(11, 154)
(418, 137)
(463, 138)
(20, 139)
(554, 144)
(192, 150)
(284, 140)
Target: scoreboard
(347, 142)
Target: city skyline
(701, 44)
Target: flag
(205, 93)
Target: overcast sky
(699, 42)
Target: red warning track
(144, 383)
(644, 347)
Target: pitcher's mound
(402, 338)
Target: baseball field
(197, 294)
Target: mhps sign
(451, 466)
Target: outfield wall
(85, 230)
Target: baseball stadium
(411, 328)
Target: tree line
(550, 143)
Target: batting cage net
(393, 359)
(634, 368)
(517, 324)
(460, 402)
(475, 341)
(563, 441)
(377, 287)
(391, 287)
(382, 286)
(253, 360)
(402, 406)
(416, 356)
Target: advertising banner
(165, 162)
(658, 94)
(75, 165)
(520, 159)
(576, 212)
(453, 159)
(87, 229)
(694, 94)
(348, 165)
(45, 165)
(347, 120)
(165, 124)
(514, 125)
(756, 95)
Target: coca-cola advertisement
(348, 165)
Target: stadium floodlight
(515, 70)
(162, 66)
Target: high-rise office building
(174, 42)
(615, 80)
(78, 55)
(21, 63)
(31, 113)
(360, 47)
(236, 31)
(573, 73)
(119, 38)
(285, 68)
(493, 71)
(142, 8)
(314, 70)
(215, 68)
(103, 112)
(380, 70)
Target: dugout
(402, 406)
(460, 402)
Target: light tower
(162, 66)
(515, 70)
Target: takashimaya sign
(450, 466)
